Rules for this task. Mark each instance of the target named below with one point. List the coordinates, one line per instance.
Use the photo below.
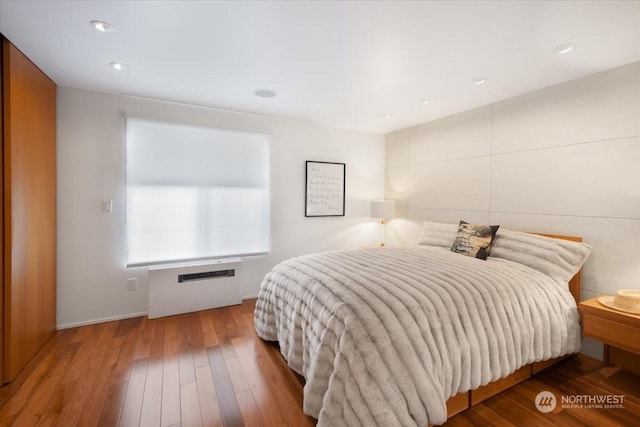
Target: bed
(409, 336)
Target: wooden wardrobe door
(1, 216)
(29, 149)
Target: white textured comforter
(384, 337)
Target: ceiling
(342, 64)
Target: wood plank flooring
(210, 369)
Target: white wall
(564, 160)
(92, 277)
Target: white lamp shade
(383, 208)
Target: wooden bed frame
(462, 401)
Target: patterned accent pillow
(474, 240)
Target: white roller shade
(195, 192)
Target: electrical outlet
(132, 284)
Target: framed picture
(324, 193)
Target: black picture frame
(325, 188)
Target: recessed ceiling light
(479, 81)
(563, 48)
(387, 116)
(116, 66)
(264, 93)
(425, 101)
(103, 27)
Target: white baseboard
(120, 317)
(101, 320)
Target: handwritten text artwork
(325, 189)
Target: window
(195, 192)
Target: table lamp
(383, 209)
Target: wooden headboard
(575, 284)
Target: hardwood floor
(576, 376)
(210, 369)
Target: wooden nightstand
(614, 329)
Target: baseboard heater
(185, 288)
(205, 275)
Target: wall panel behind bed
(559, 160)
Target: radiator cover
(184, 288)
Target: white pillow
(437, 234)
(558, 259)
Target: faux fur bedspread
(385, 336)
